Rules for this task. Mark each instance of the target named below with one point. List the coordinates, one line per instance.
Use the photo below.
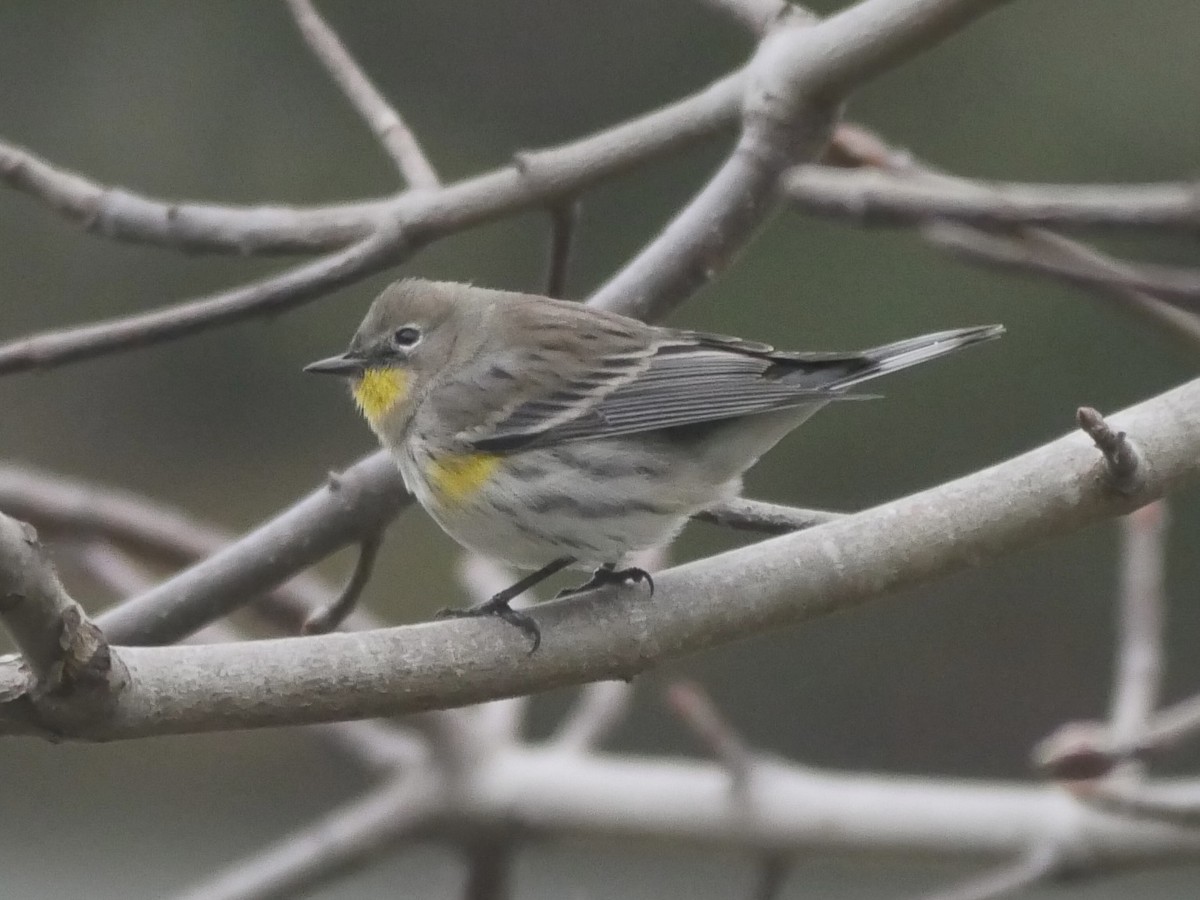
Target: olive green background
(220, 101)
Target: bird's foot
(498, 607)
(611, 575)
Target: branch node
(1122, 456)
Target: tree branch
(784, 580)
(318, 853)
(385, 123)
(296, 286)
(874, 197)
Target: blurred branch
(788, 579)
(597, 710)
(386, 124)
(564, 220)
(272, 295)
(340, 841)
(1031, 868)
(1045, 253)
(1140, 623)
(871, 196)
(1029, 248)
(696, 710)
(61, 506)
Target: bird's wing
(683, 379)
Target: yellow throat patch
(379, 390)
(456, 477)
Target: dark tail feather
(913, 351)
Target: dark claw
(610, 575)
(500, 610)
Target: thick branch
(784, 580)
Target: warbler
(548, 434)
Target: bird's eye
(406, 336)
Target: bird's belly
(587, 500)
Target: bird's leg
(609, 574)
(498, 605)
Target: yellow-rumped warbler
(548, 434)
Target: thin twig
(870, 196)
(764, 518)
(1140, 620)
(345, 838)
(564, 219)
(1035, 866)
(331, 615)
(696, 710)
(290, 289)
(1172, 804)
(64, 507)
(387, 125)
(1028, 250)
(598, 709)
(1121, 454)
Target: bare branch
(695, 708)
(360, 501)
(386, 124)
(874, 197)
(1022, 248)
(1048, 254)
(1121, 454)
(61, 506)
(564, 219)
(597, 710)
(796, 80)
(1176, 804)
(764, 518)
(331, 615)
(1140, 623)
(783, 580)
(292, 288)
(1035, 866)
(541, 178)
(542, 794)
(341, 841)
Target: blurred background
(221, 101)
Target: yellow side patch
(456, 478)
(379, 390)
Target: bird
(550, 435)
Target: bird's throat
(379, 390)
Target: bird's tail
(912, 351)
